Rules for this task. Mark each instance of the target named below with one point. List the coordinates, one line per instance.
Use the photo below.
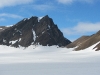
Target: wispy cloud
(10, 15)
(2, 19)
(71, 1)
(5, 3)
(82, 28)
(65, 1)
(43, 7)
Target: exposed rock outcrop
(86, 41)
(33, 31)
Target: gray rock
(33, 31)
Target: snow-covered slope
(39, 60)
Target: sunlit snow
(39, 18)
(34, 35)
(9, 25)
(39, 60)
(1, 28)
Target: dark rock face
(33, 31)
(86, 41)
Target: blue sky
(73, 17)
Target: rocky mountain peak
(33, 31)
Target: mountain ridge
(85, 42)
(33, 31)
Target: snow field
(39, 60)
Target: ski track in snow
(48, 61)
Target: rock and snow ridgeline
(34, 30)
(86, 41)
(42, 31)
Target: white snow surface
(13, 41)
(1, 28)
(9, 25)
(39, 18)
(39, 60)
(34, 35)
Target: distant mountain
(33, 31)
(85, 42)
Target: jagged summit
(33, 31)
